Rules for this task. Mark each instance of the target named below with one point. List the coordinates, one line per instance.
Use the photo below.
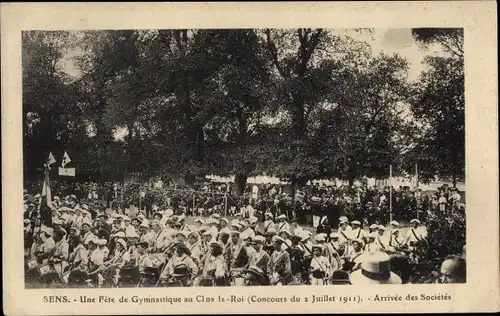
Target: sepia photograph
(210, 157)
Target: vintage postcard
(205, 158)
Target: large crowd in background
(109, 235)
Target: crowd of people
(324, 236)
(308, 206)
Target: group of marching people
(113, 249)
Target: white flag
(69, 172)
(51, 159)
(66, 160)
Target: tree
(439, 106)
(49, 116)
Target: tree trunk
(189, 179)
(454, 181)
(351, 181)
(293, 184)
(240, 182)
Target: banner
(46, 205)
(66, 160)
(68, 172)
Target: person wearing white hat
(268, 222)
(345, 231)
(248, 230)
(394, 224)
(78, 218)
(216, 216)
(86, 232)
(145, 234)
(373, 228)
(334, 243)
(193, 245)
(371, 245)
(375, 269)
(102, 244)
(320, 266)
(396, 241)
(242, 226)
(259, 257)
(96, 258)
(60, 255)
(353, 255)
(131, 254)
(206, 240)
(381, 239)
(214, 265)
(252, 220)
(415, 235)
(181, 266)
(357, 232)
(238, 255)
(282, 223)
(162, 239)
(285, 234)
(280, 270)
(305, 243)
(247, 243)
(213, 224)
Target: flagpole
(416, 184)
(390, 193)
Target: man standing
(320, 267)
(382, 241)
(415, 235)
(259, 257)
(280, 270)
(268, 222)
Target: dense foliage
(296, 103)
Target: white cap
(282, 216)
(253, 220)
(356, 223)
(319, 237)
(132, 234)
(394, 223)
(259, 239)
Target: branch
(274, 53)
(448, 47)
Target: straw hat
(375, 269)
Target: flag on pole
(65, 159)
(51, 159)
(46, 205)
(68, 172)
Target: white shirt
(97, 257)
(320, 263)
(414, 235)
(347, 232)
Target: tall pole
(390, 193)
(417, 197)
(225, 205)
